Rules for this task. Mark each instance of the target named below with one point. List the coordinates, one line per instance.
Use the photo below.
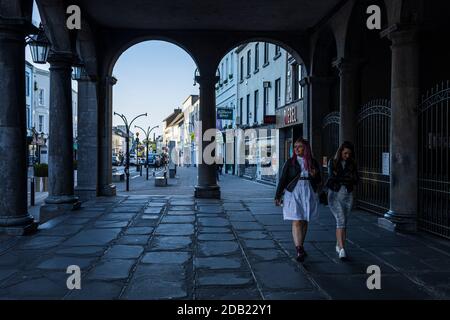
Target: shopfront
(289, 122)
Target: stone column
(106, 187)
(349, 99)
(207, 184)
(87, 139)
(404, 132)
(318, 108)
(14, 218)
(61, 195)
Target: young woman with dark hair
(343, 176)
(299, 181)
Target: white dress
(302, 203)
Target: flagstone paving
(178, 247)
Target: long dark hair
(338, 156)
(307, 153)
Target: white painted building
(37, 92)
(261, 90)
(190, 108)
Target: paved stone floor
(172, 246)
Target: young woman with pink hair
(299, 181)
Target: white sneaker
(337, 249)
(342, 254)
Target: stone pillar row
(405, 95)
(14, 218)
(87, 173)
(207, 184)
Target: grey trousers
(340, 204)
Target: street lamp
(127, 155)
(39, 46)
(78, 71)
(147, 138)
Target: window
(277, 52)
(256, 57)
(41, 123)
(265, 101)
(266, 54)
(249, 62)
(299, 78)
(277, 93)
(225, 75)
(255, 106)
(222, 74)
(41, 97)
(28, 117)
(241, 76)
(27, 83)
(290, 80)
(241, 106)
(248, 109)
(231, 64)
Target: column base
(56, 206)
(18, 226)
(208, 192)
(86, 194)
(394, 221)
(108, 190)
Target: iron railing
(372, 147)
(330, 137)
(434, 160)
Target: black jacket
(347, 176)
(289, 177)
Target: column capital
(345, 65)
(110, 80)
(87, 78)
(61, 59)
(19, 25)
(311, 80)
(404, 37)
(209, 78)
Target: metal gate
(330, 138)
(372, 154)
(434, 146)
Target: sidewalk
(168, 245)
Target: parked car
(133, 159)
(115, 160)
(152, 159)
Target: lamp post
(147, 138)
(127, 154)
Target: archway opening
(371, 55)
(153, 99)
(260, 103)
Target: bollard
(140, 173)
(32, 202)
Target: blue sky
(153, 77)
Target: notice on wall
(386, 161)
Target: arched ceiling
(248, 15)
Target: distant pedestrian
(343, 176)
(299, 181)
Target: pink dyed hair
(307, 153)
